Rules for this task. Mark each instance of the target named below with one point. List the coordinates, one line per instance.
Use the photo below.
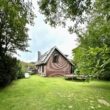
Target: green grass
(39, 93)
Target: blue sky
(43, 37)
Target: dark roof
(44, 58)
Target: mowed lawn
(40, 93)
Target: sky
(44, 37)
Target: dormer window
(55, 58)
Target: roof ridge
(47, 55)
(44, 57)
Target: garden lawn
(41, 93)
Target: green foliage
(93, 61)
(14, 15)
(20, 71)
(8, 70)
(26, 66)
(58, 12)
(93, 54)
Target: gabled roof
(45, 57)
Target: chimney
(39, 55)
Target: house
(53, 63)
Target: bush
(7, 69)
(10, 69)
(105, 75)
(20, 71)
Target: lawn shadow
(77, 80)
(101, 86)
(8, 85)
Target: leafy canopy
(59, 12)
(93, 54)
(14, 15)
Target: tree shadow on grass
(76, 80)
(105, 85)
(8, 86)
(101, 86)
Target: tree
(59, 12)
(95, 59)
(14, 15)
(8, 70)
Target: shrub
(10, 69)
(7, 69)
(19, 70)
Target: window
(55, 58)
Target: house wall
(42, 70)
(62, 67)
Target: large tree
(60, 12)
(14, 15)
(94, 49)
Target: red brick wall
(62, 67)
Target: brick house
(53, 63)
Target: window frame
(55, 58)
